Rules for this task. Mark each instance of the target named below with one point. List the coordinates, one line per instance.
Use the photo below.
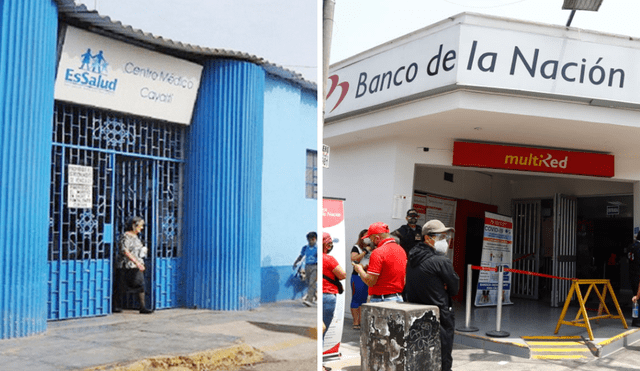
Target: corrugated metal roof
(80, 15)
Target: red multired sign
(542, 160)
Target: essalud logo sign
(92, 73)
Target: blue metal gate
(150, 189)
(136, 168)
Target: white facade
(379, 138)
(376, 145)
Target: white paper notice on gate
(497, 250)
(79, 196)
(79, 187)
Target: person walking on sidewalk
(130, 265)
(387, 265)
(332, 274)
(431, 280)
(310, 254)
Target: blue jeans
(328, 307)
(390, 298)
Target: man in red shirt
(387, 266)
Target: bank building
(479, 114)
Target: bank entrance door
(107, 167)
(526, 247)
(544, 243)
(565, 220)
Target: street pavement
(474, 359)
(283, 333)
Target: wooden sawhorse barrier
(584, 321)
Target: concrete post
(400, 337)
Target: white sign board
(79, 196)
(333, 223)
(486, 56)
(613, 210)
(103, 72)
(325, 156)
(394, 74)
(497, 250)
(79, 187)
(77, 174)
(431, 207)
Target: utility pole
(327, 32)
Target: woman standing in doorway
(130, 265)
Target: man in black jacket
(431, 280)
(409, 234)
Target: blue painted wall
(290, 128)
(223, 189)
(27, 61)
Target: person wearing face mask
(409, 234)
(431, 280)
(387, 265)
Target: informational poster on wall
(333, 223)
(79, 187)
(436, 207)
(497, 250)
(102, 72)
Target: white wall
(499, 188)
(363, 175)
(469, 185)
(484, 187)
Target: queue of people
(409, 264)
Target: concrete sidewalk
(283, 332)
(474, 359)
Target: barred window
(311, 176)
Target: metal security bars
(96, 129)
(564, 246)
(82, 230)
(526, 247)
(136, 168)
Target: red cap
(376, 228)
(326, 238)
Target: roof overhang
(471, 51)
(79, 16)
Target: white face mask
(441, 247)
